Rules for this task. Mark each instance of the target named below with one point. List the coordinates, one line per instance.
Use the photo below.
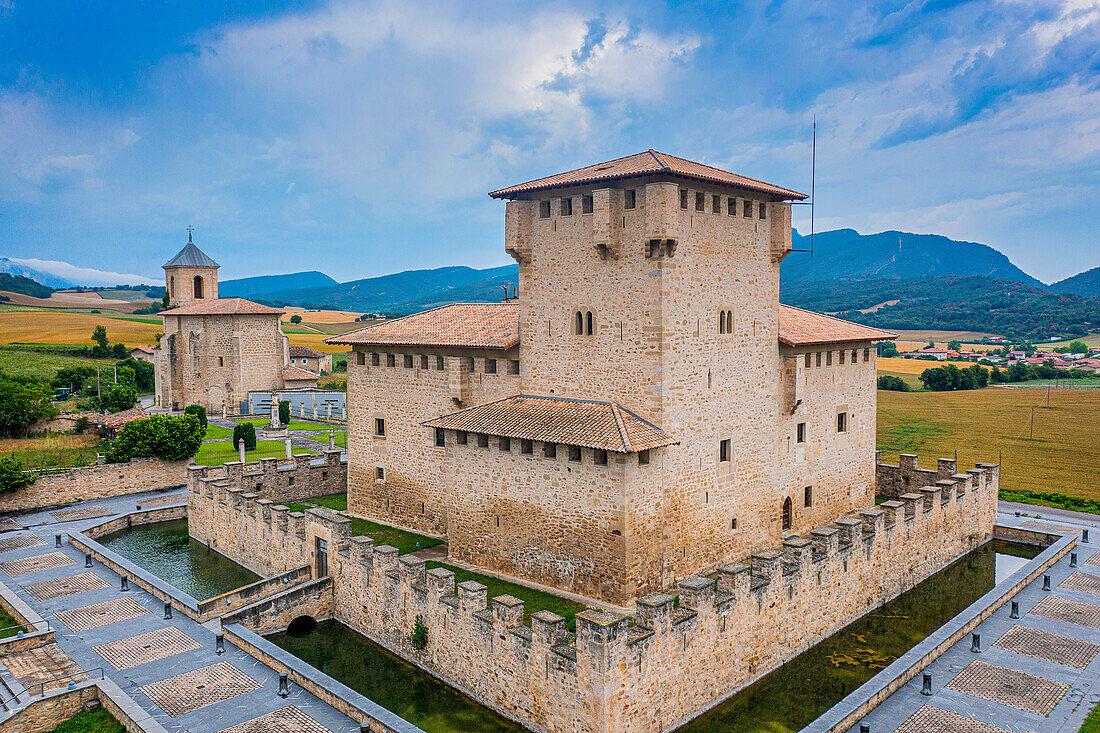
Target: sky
(361, 138)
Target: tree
(144, 379)
(160, 436)
(73, 377)
(1078, 347)
(118, 397)
(23, 402)
(931, 343)
(12, 476)
(99, 336)
(119, 351)
(247, 433)
(164, 301)
(284, 412)
(419, 636)
(295, 318)
(893, 384)
(885, 349)
(937, 379)
(954, 344)
(198, 411)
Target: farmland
(987, 424)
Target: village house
(310, 360)
(142, 353)
(643, 409)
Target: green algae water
(346, 655)
(168, 552)
(783, 702)
(794, 695)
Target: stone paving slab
(1051, 647)
(933, 720)
(49, 589)
(1083, 582)
(36, 563)
(49, 662)
(101, 614)
(1064, 609)
(1009, 687)
(82, 512)
(20, 542)
(199, 688)
(286, 720)
(1094, 559)
(7, 524)
(159, 501)
(147, 647)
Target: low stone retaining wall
(317, 683)
(43, 714)
(849, 711)
(100, 481)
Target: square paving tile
(41, 665)
(199, 688)
(1074, 612)
(7, 524)
(147, 647)
(1009, 687)
(1094, 559)
(286, 720)
(33, 564)
(20, 542)
(158, 501)
(101, 614)
(933, 720)
(81, 512)
(49, 589)
(1082, 581)
(1051, 647)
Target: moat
(168, 552)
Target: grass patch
(8, 623)
(534, 600)
(382, 534)
(215, 454)
(907, 436)
(26, 363)
(96, 720)
(213, 432)
(261, 422)
(1092, 723)
(1050, 498)
(913, 380)
(53, 450)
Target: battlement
(906, 477)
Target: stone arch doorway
(787, 514)
(198, 287)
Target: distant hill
(39, 276)
(261, 286)
(23, 285)
(845, 253)
(1086, 284)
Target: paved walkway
(169, 668)
(1039, 672)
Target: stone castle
(215, 350)
(641, 408)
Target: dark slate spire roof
(190, 256)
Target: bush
(119, 351)
(23, 402)
(160, 436)
(118, 397)
(295, 319)
(80, 425)
(284, 412)
(143, 371)
(247, 433)
(12, 476)
(335, 384)
(198, 411)
(893, 384)
(419, 636)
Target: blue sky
(361, 138)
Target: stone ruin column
(288, 453)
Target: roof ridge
(655, 154)
(624, 434)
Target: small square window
(380, 473)
(482, 440)
(747, 211)
(440, 364)
(506, 444)
(490, 366)
(842, 422)
(567, 207)
(544, 209)
(375, 359)
(586, 204)
(575, 453)
(731, 206)
(424, 362)
(513, 366)
(801, 433)
(733, 523)
(724, 451)
(527, 447)
(391, 360)
(600, 457)
(462, 437)
(763, 209)
(408, 361)
(360, 358)
(630, 198)
(808, 498)
(440, 437)
(643, 458)
(700, 201)
(716, 204)
(550, 450)
(290, 481)
(683, 198)
(380, 427)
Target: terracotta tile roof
(143, 349)
(222, 307)
(459, 325)
(650, 162)
(304, 352)
(589, 424)
(799, 327)
(297, 374)
(118, 419)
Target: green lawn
(342, 439)
(7, 622)
(382, 534)
(1092, 723)
(18, 362)
(294, 424)
(215, 454)
(213, 432)
(96, 720)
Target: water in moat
(168, 552)
(786, 700)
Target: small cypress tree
(284, 412)
(198, 411)
(419, 636)
(247, 433)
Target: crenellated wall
(651, 674)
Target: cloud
(85, 275)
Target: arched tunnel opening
(302, 625)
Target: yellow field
(914, 366)
(47, 327)
(987, 423)
(316, 341)
(319, 316)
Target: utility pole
(98, 388)
(1031, 435)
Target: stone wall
(667, 665)
(313, 598)
(100, 481)
(893, 481)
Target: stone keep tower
(190, 276)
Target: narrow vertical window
(586, 204)
(630, 198)
(439, 363)
(731, 206)
(747, 211)
(716, 204)
(724, 451)
(424, 361)
(580, 324)
(567, 206)
(842, 422)
(440, 437)
(361, 358)
(700, 201)
(375, 359)
(588, 330)
(807, 360)
(801, 433)
(544, 209)
(683, 198)
(763, 210)
(513, 366)
(786, 514)
(380, 427)
(808, 499)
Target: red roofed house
(645, 409)
(215, 350)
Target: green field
(23, 362)
(54, 450)
(294, 424)
(213, 432)
(215, 454)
